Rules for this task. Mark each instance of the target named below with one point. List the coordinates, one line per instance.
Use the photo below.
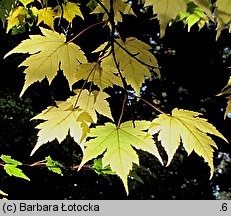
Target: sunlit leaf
(119, 6)
(49, 53)
(13, 170)
(3, 193)
(7, 159)
(205, 6)
(135, 61)
(186, 127)
(116, 144)
(72, 117)
(53, 166)
(59, 122)
(102, 76)
(223, 13)
(92, 102)
(166, 10)
(228, 109)
(17, 16)
(47, 16)
(70, 10)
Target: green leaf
(54, 166)
(13, 170)
(100, 170)
(205, 6)
(116, 144)
(8, 160)
(133, 175)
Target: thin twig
(38, 163)
(122, 111)
(151, 105)
(86, 29)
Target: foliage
(187, 127)
(125, 62)
(53, 166)
(11, 167)
(118, 142)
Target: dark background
(194, 68)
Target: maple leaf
(134, 61)
(117, 145)
(223, 12)
(72, 116)
(92, 102)
(186, 127)
(49, 53)
(59, 121)
(47, 16)
(166, 10)
(102, 76)
(17, 16)
(119, 6)
(70, 10)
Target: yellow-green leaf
(186, 127)
(223, 13)
(135, 61)
(102, 76)
(13, 170)
(117, 145)
(73, 116)
(228, 109)
(92, 102)
(166, 10)
(17, 16)
(227, 89)
(204, 5)
(50, 52)
(53, 166)
(3, 193)
(120, 6)
(47, 16)
(8, 160)
(70, 10)
(59, 122)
